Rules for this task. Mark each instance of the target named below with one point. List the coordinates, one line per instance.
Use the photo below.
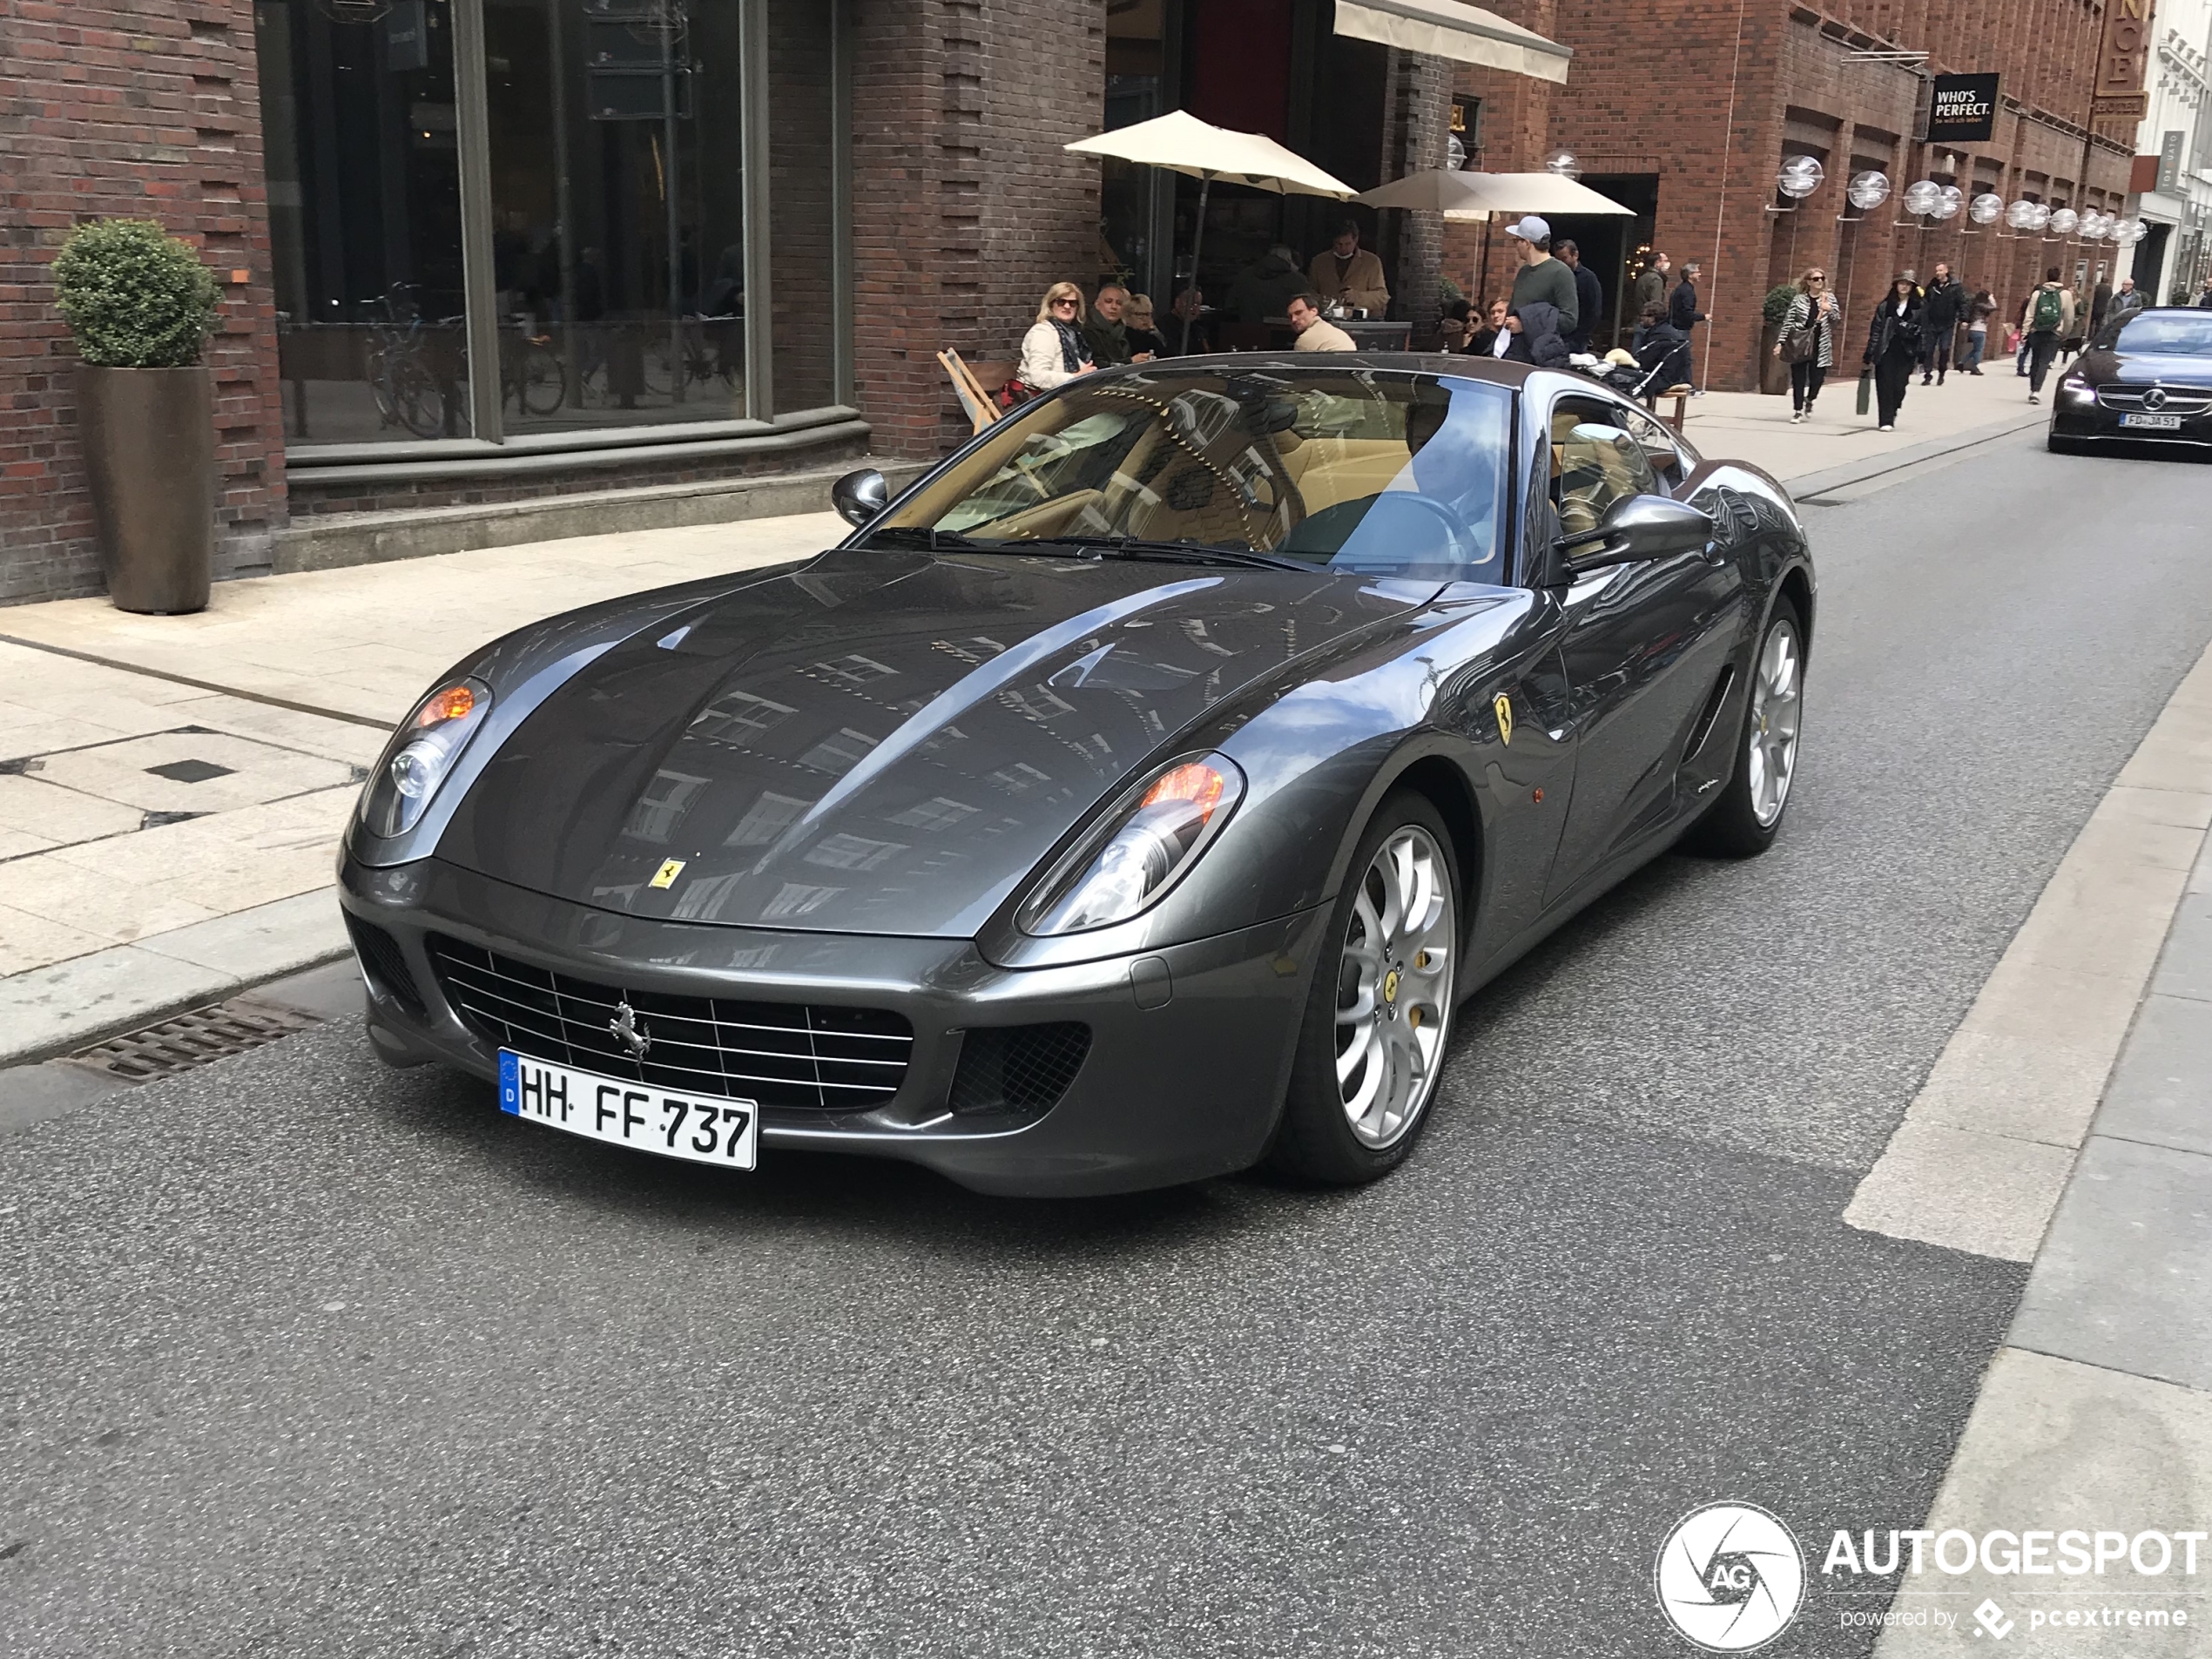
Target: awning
(1452, 29)
(1479, 195)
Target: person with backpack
(2047, 318)
(1893, 346)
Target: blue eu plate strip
(510, 1093)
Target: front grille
(1018, 1067)
(806, 1056)
(385, 963)
(2179, 400)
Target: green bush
(1776, 306)
(134, 295)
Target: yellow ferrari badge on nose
(665, 876)
(1504, 705)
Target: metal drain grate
(188, 1040)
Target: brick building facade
(1699, 103)
(911, 193)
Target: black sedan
(2146, 378)
(1139, 796)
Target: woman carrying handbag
(1893, 346)
(1807, 342)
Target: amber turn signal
(453, 703)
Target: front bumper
(2094, 423)
(1171, 1090)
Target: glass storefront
(616, 228)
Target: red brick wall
(127, 107)
(1653, 97)
(965, 207)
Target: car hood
(2145, 368)
(881, 742)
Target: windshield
(1343, 470)
(2167, 334)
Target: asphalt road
(301, 1356)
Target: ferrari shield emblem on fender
(1504, 706)
(665, 876)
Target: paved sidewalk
(2070, 1124)
(171, 788)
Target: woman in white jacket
(1054, 351)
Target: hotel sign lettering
(2123, 57)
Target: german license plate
(2153, 422)
(703, 1129)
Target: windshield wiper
(1135, 547)
(936, 541)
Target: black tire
(1314, 1142)
(1730, 827)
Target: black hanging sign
(1965, 110)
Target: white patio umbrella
(1479, 195)
(1182, 143)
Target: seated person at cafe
(1316, 333)
(1493, 339)
(1106, 331)
(1265, 287)
(1349, 272)
(1145, 340)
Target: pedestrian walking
(1941, 306)
(2070, 339)
(2045, 320)
(2099, 304)
(1541, 278)
(2130, 299)
(2204, 296)
(1978, 311)
(1682, 304)
(1893, 346)
(1651, 287)
(1589, 296)
(1054, 351)
(1808, 341)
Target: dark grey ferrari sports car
(1137, 798)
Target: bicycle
(406, 392)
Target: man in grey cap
(1541, 278)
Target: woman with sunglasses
(1054, 351)
(1808, 339)
(1893, 346)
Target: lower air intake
(1018, 1067)
(385, 963)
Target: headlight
(421, 754)
(1139, 850)
(2077, 391)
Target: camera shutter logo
(1730, 1577)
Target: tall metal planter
(149, 436)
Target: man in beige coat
(1316, 333)
(1349, 272)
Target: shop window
(637, 154)
(359, 125)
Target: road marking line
(1986, 1145)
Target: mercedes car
(1137, 798)
(2146, 379)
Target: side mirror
(1637, 527)
(859, 497)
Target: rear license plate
(701, 1128)
(2153, 422)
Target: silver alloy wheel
(1394, 987)
(1778, 698)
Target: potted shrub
(1774, 373)
(141, 305)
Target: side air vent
(1022, 1068)
(1711, 712)
(385, 963)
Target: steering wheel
(1381, 509)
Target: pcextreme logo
(1730, 1577)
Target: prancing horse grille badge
(632, 1035)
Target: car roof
(1448, 365)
